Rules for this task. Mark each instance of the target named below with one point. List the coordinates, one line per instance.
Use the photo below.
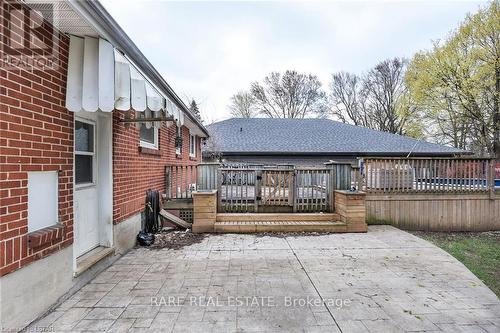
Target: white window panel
(84, 152)
(42, 199)
(148, 137)
(192, 145)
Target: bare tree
(348, 99)
(378, 99)
(385, 91)
(289, 95)
(243, 105)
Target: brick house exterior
(145, 166)
(37, 135)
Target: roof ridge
(316, 135)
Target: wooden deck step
(313, 217)
(279, 226)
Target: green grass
(479, 252)
(377, 222)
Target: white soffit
(62, 17)
(93, 60)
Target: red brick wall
(134, 172)
(36, 134)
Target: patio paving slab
(386, 280)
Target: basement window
(148, 137)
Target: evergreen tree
(195, 110)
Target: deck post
(342, 174)
(258, 189)
(491, 178)
(204, 210)
(219, 189)
(168, 182)
(294, 190)
(331, 191)
(350, 205)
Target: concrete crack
(314, 286)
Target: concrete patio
(383, 281)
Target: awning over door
(100, 78)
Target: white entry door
(86, 194)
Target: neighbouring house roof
(271, 136)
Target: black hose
(152, 211)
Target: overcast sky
(210, 50)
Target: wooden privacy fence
(434, 194)
(428, 175)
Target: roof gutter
(106, 26)
(356, 154)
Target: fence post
(220, 207)
(168, 183)
(294, 190)
(358, 179)
(342, 174)
(331, 190)
(491, 178)
(258, 189)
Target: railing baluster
(314, 193)
(243, 182)
(477, 168)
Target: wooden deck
(279, 222)
(248, 192)
(279, 226)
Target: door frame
(103, 168)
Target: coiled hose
(152, 211)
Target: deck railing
(237, 189)
(313, 189)
(267, 189)
(207, 176)
(427, 175)
(180, 181)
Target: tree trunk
(496, 115)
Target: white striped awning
(100, 78)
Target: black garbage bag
(145, 238)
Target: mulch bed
(176, 239)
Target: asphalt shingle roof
(313, 136)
